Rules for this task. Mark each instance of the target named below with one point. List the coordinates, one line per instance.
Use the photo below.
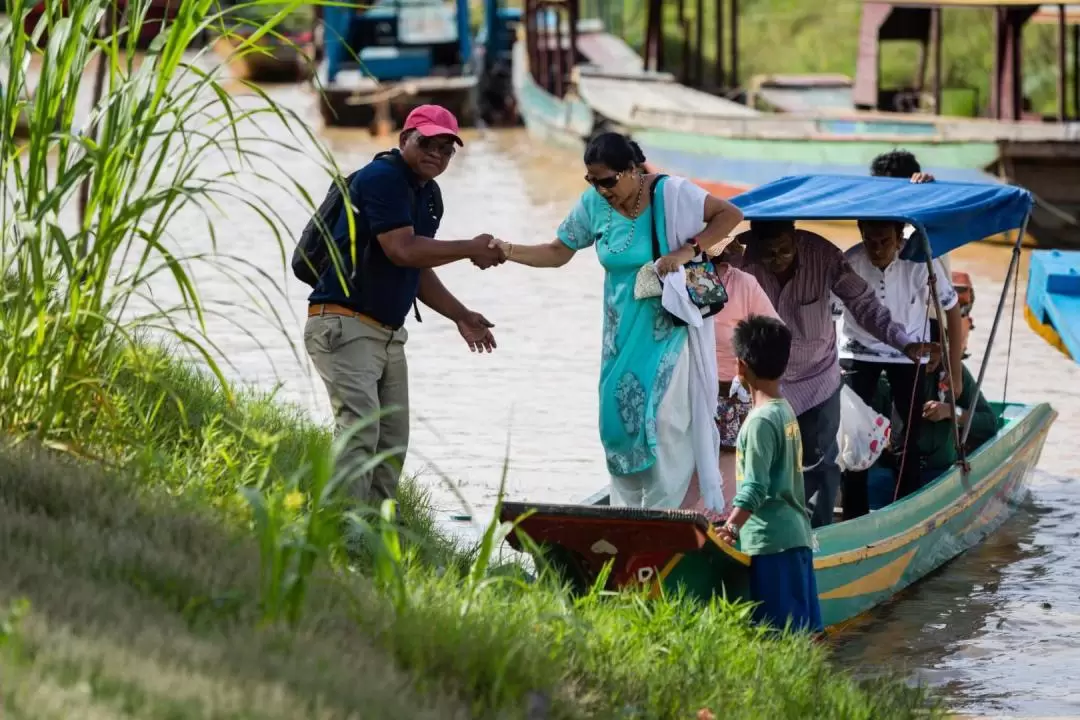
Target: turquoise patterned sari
(640, 343)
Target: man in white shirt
(903, 287)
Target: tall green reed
(79, 291)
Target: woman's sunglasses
(605, 182)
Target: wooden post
(660, 38)
(1063, 95)
(734, 44)
(1076, 71)
(99, 88)
(721, 80)
(699, 44)
(684, 25)
(560, 55)
(995, 83)
(936, 31)
(574, 14)
(544, 49)
(531, 39)
(650, 41)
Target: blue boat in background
(381, 60)
(1052, 307)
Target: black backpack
(312, 254)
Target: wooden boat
(729, 148)
(862, 562)
(381, 61)
(1052, 306)
(158, 15)
(273, 61)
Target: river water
(997, 630)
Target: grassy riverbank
(146, 599)
(172, 546)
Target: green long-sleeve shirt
(936, 443)
(768, 470)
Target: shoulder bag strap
(655, 215)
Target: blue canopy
(950, 213)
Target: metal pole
(944, 339)
(1063, 68)
(1014, 267)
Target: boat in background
(858, 563)
(1052, 302)
(158, 15)
(286, 55)
(382, 60)
(727, 147)
(800, 93)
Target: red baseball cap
(430, 120)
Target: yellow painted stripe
(936, 520)
(1046, 332)
(881, 579)
(655, 592)
(737, 555)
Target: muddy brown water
(997, 630)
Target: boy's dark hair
(895, 164)
(613, 150)
(872, 224)
(764, 344)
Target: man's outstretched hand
(476, 329)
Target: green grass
(172, 546)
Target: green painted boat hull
(858, 564)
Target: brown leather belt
(342, 311)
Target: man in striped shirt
(798, 270)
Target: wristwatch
(958, 411)
(733, 530)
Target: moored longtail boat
(861, 562)
(286, 59)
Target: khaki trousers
(364, 369)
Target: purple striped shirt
(813, 372)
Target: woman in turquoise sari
(649, 367)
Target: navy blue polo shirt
(388, 196)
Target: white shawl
(684, 212)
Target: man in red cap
(354, 332)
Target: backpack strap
(395, 158)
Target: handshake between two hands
(487, 251)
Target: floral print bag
(703, 284)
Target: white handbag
(647, 283)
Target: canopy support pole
(945, 359)
(1014, 268)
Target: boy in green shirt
(769, 517)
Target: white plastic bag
(863, 433)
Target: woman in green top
(770, 513)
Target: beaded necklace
(634, 214)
